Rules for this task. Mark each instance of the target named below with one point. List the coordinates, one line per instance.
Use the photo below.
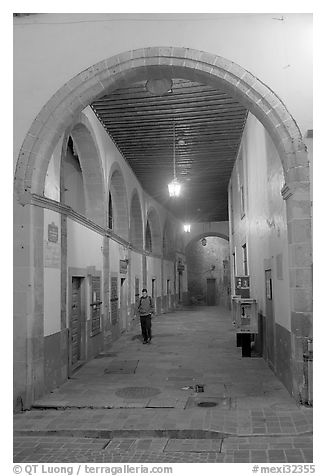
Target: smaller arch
(153, 220)
(168, 239)
(118, 191)
(136, 222)
(204, 235)
(92, 171)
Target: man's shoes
(145, 342)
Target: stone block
(301, 278)
(302, 324)
(301, 300)
(300, 255)
(299, 231)
(298, 209)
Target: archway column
(298, 208)
(28, 304)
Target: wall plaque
(53, 233)
(123, 266)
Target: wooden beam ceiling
(208, 129)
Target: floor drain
(206, 404)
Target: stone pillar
(28, 306)
(298, 205)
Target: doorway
(75, 322)
(270, 321)
(211, 291)
(154, 292)
(123, 304)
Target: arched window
(148, 238)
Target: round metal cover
(206, 404)
(137, 392)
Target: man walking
(146, 309)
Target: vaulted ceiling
(208, 126)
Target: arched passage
(136, 222)
(152, 62)
(208, 268)
(118, 192)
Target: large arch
(179, 62)
(118, 192)
(110, 74)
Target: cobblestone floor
(151, 450)
(146, 393)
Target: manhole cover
(206, 404)
(137, 392)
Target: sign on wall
(123, 266)
(242, 286)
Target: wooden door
(211, 291)
(75, 322)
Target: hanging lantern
(174, 188)
(186, 228)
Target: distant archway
(204, 235)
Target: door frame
(270, 361)
(211, 279)
(82, 274)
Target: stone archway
(136, 222)
(155, 228)
(203, 235)
(92, 171)
(118, 191)
(152, 62)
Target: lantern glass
(186, 228)
(174, 188)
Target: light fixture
(186, 227)
(174, 186)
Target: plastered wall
(262, 224)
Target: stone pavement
(138, 403)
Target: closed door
(211, 292)
(123, 304)
(270, 323)
(75, 322)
